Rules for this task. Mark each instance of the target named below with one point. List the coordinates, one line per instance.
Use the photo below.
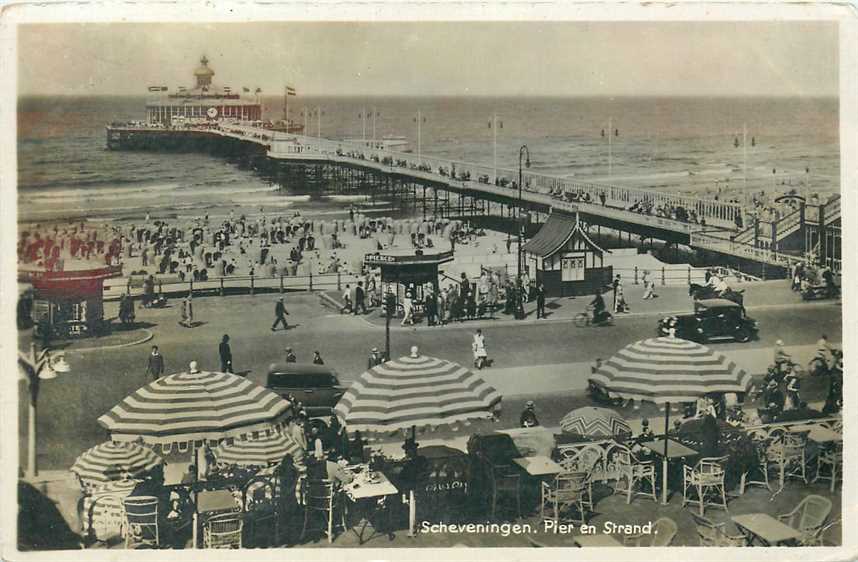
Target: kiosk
(406, 268)
(566, 261)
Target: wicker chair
(567, 490)
(505, 482)
(260, 505)
(714, 534)
(632, 472)
(705, 479)
(141, 521)
(325, 497)
(761, 468)
(663, 532)
(223, 531)
(808, 518)
(831, 457)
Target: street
(557, 351)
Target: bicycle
(583, 319)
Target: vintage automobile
(712, 319)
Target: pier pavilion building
(204, 102)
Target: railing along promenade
(540, 189)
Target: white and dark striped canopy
(194, 406)
(669, 369)
(259, 452)
(415, 391)
(113, 461)
(591, 421)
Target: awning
(553, 234)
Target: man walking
(540, 301)
(155, 365)
(280, 313)
(225, 355)
(347, 300)
(360, 298)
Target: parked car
(316, 387)
(712, 319)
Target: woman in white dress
(479, 349)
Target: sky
(476, 58)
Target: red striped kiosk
(70, 301)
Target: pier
(451, 188)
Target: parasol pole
(664, 458)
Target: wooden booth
(565, 259)
(69, 302)
(402, 269)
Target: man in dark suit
(540, 301)
(225, 355)
(360, 299)
(155, 365)
(280, 313)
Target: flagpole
(419, 157)
(610, 147)
(745, 160)
(373, 124)
(495, 139)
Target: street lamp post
(37, 367)
(523, 154)
(389, 308)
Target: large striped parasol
(415, 391)
(259, 452)
(111, 461)
(590, 421)
(669, 369)
(665, 370)
(193, 406)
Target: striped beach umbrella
(590, 421)
(112, 461)
(259, 452)
(195, 406)
(669, 369)
(415, 391)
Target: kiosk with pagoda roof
(566, 261)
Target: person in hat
(479, 348)
(280, 314)
(155, 364)
(317, 358)
(783, 360)
(528, 416)
(374, 359)
(792, 387)
(193, 368)
(225, 353)
(290, 357)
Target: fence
(250, 283)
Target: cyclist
(598, 306)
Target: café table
(596, 540)
(675, 450)
(538, 465)
(764, 528)
(369, 496)
(817, 433)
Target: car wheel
(743, 335)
